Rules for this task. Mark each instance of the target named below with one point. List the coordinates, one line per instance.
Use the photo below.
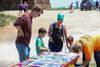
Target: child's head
(42, 32)
(70, 40)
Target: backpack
(57, 34)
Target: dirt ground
(78, 23)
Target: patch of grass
(57, 9)
(6, 19)
(63, 8)
(11, 18)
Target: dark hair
(37, 8)
(42, 30)
(70, 38)
(76, 49)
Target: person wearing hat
(57, 33)
(88, 45)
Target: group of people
(22, 6)
(57, 33)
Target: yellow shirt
(96, 44)
(90, 45)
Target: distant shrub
(63, 8)
(6, 19)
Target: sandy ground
(78, 24)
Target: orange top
(90, 45)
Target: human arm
(20, 31)
(18, 24)
(50, 31)
(40, 45)
(43, 48)
(65, 35)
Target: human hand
(21, 33)
(47, 50)
(50, 38)
(82, 65)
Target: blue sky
(63, 3)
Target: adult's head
(77, 47)
(36, 11)
(60, 18)
(79, 44)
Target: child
(40, 47)
(70, 40)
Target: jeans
(23, 51)
(97, 58)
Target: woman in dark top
(57, 33)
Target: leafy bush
(6, 19)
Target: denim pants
(23, 51)
(97, 58)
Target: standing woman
(57, 33)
